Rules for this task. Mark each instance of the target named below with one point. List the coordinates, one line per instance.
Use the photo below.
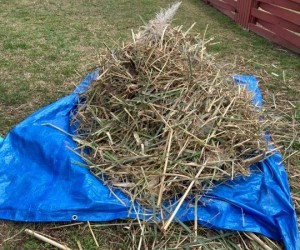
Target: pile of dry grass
(163, 121)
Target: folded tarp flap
(42, 179)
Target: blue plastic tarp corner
(42, 179)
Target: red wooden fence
(276, 20)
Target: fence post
(252, 19)
(243, 9)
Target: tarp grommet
(74, 217)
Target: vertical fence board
(243, 12)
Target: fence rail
(276, 20)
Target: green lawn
(47, 47)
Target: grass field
(47, 47)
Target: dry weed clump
(162, 115)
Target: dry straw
(163, 121)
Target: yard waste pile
(162, 126)
(163, 115)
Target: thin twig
(93, 235)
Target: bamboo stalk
(45, 239)
(93, 235)
(167, 224)
(79, 245)
(259, 241)
(165, 168)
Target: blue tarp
(43, 180)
